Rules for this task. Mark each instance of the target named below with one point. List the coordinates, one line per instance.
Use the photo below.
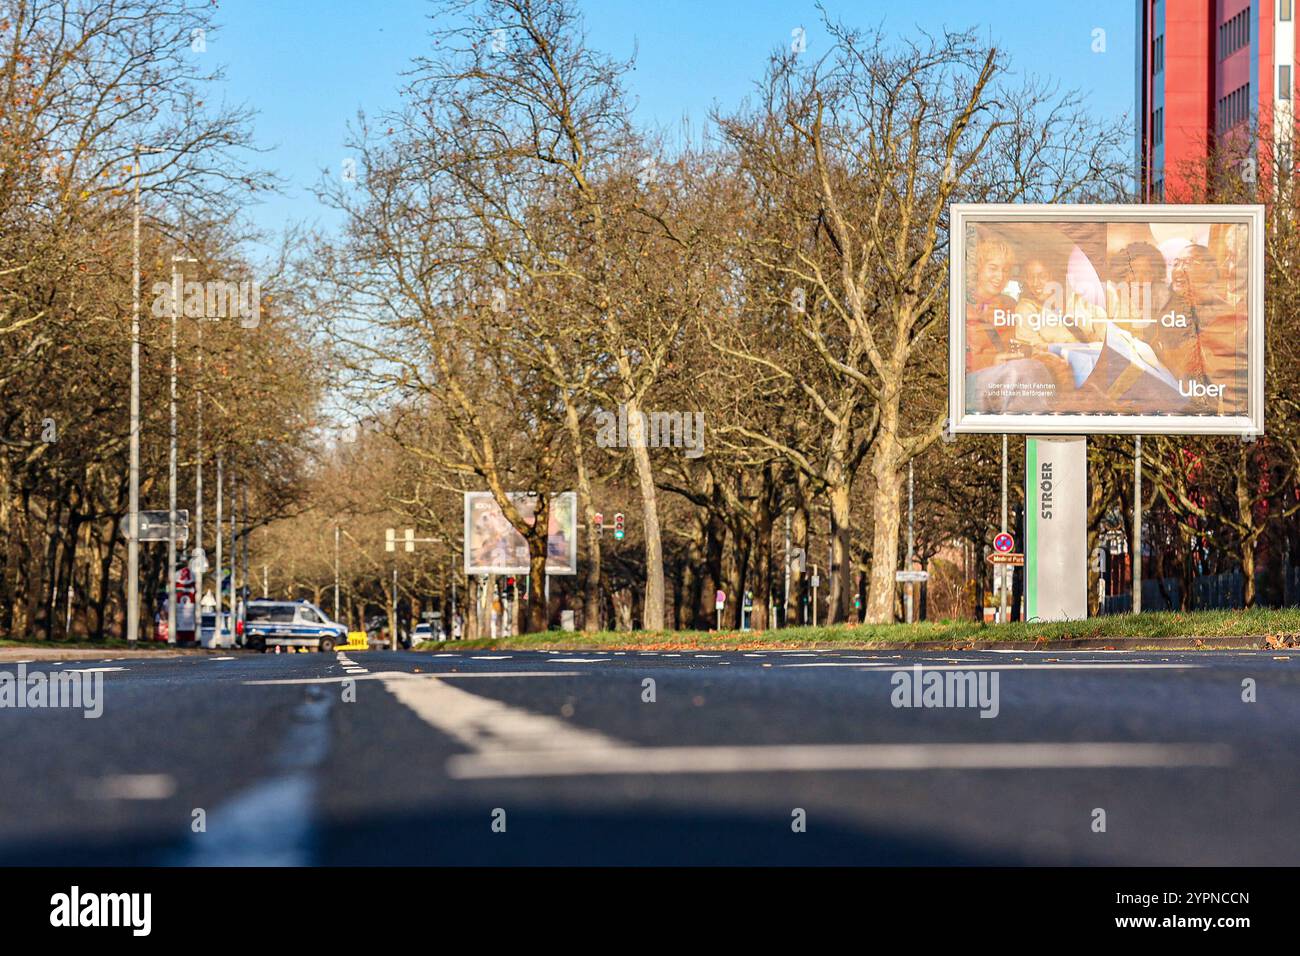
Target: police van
(291, 624)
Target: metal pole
(910, 542)
(234, 554)
(171, 470)
(999, 569)
(198, 488)
(218, 632)
(814, 597)
(133, 522)
(785, 605)
(336, 572)
(243, 510)
(1137, 524)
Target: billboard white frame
(961, 422)
(471, 568)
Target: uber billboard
(1105, 319)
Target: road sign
(1003, 557)
(199, 561)
(153, 525)
(1004, 543)
(911, 577)
(815, 582)
(720, 600)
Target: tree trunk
(798, 539)
(471, 630)
(653, 614)
(538, 613)
(591, 603)
(886, 516)
(760, 580)
(841, 568)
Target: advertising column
(1056, 529)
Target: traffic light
(618, 526)
(510, 589)
(599, 521)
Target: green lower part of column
(1031, 529)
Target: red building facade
(1206, 69)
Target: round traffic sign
(1004, 543)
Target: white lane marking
(489, 726)
(575, 660)
(708, 655)
(221, 658)
(501, 657)
(832, 757)
(1100, 666)
(271, 822)
(130, 786)
(403, 675)
(508, 741)
(96, 670)
(446, 655)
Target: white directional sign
(910, 577)
(153, 525)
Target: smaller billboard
(493, 546)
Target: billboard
(493, 546)
(1106, 319)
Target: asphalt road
(558, 758)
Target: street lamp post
(133, 480)
(218, 632)
(197, 554)
(171, 461)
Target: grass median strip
(1252, 628)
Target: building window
(1234, 34)
(1158, 191)
(1158, 127)
(1233, 108)
(1158, 55)
(1284, 9)
(1284, 82)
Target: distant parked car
(291, 624)
(424, 631)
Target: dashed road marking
(831, 757)
(129, 786)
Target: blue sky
(308, 66)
